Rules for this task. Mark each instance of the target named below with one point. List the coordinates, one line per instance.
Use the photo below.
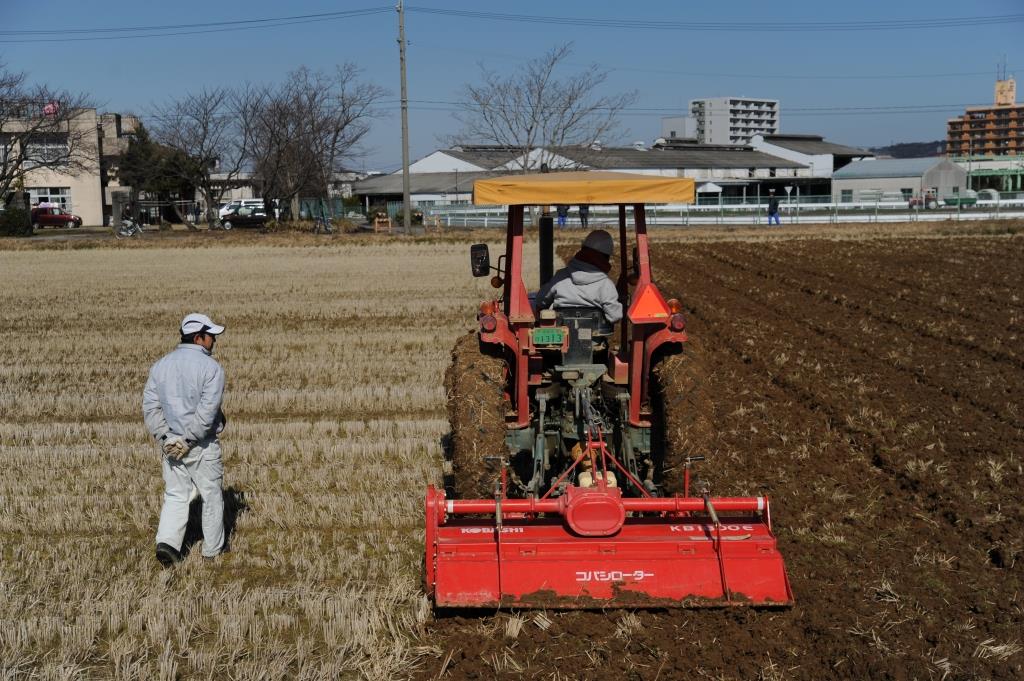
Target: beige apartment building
(85, 193)
(996, 130)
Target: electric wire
(451, 106)
(168, 30)
(915, 23)
(182, 29)
(778, 73)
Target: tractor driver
(584, 281)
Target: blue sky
(844, 69)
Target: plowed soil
(475, 386)
(873, 390)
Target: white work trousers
(201, 467)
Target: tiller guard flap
(591, 548)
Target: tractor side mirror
(480, 260)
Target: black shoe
(167, 555)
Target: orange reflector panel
(648, 305)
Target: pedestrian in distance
(584, 215)
(181, 406)
(773, 207)
(563, 214)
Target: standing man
(773, 207)
(563, 212)
(181, 405)
(584, 215)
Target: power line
(732, 26)
(453, 106)
(784, 76)
(168, 30)
(776, 74)
(800, 114)
(449, 105)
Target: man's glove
(175, 447)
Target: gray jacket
(580, 284)
(183, 395)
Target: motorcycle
(128, 228)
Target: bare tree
(209, 129)
(534, 112)
(301, 131)
(42, 128)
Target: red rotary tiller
(578, 519)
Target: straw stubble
(334, 358)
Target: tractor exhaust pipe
(546, 247)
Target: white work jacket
(580, 284)
(183, 395)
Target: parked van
(255, 204)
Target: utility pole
(406, 205)
(970, 157)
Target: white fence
(747, 214)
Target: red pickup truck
(54, 217)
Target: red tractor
(576, 512)
(929, 200)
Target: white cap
(195, 323)
(600, 241)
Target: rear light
(677, 322)
(488, 323)
(674, 306)
(487, 307)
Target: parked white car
(255, 204)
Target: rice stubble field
(336, 417)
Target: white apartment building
(734, 120)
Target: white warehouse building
(899, 178)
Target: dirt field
(870, 384)
(872, 387)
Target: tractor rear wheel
(475, 385)
(686, 413)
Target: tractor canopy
(586, 187)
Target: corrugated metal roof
(697, 156)
(420, 183)
(486, 158)
(813, 144)
(889, 167)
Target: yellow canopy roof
(593, 187)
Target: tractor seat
(588, 332)
(584, 318)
